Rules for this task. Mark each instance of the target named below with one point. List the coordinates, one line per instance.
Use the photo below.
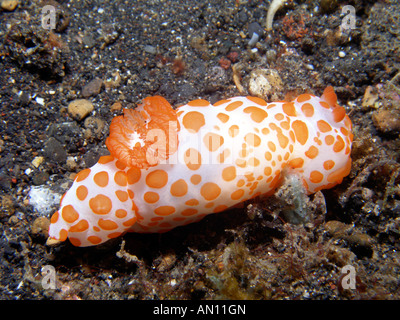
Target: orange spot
(223, 117)
(324, 126)
(303, 97)
(257, 100)
(253, 162)
(316, 176)
(344, 131)
(279, 116)
(339, 144)
(308, 109)
(122, 195)
(133, 175)
(155, 114)
(338, 175)
(267, 171)
(329, 96)
(114, 235)
(75, 241)
(100, 204)
(209, 205)
(192, 202)
(81, 226)
(317, 141)
(193, 121)
(101, 179)
(329, 164)
(220, 102)
(63, 235)
(199, 103)
(223, 155)
(241, 163)
(240, 183)
(236, 195)
(120, 165)
(229, 173)
(291, 134)
(157, 179)
(252, 139)
(213, 141)
(338, 113)
(324, 104)
(296, 163)
(220, 208)
(301, 131)
(189, 212)
(312, 152)
(265, 131)
(106, 224)
(121, 213)
(210, 191)
(244, 152)
(120, 178)
(329, 139)
(289, 109)
(55, 217)
(82, 175)
(105, 159)
(179, 188)
(195, 179)
(69, 214)
(285, 125)
(192, 159)
(94, 239)
(130, 222)
(81, 192)
(283, 140)
(233, 131)
(256, 114)
(271, 146)
(268, 156)
(234, 105)
(164, 210)
(151, 197)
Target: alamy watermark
(349, 19)
(48, 17)
(349, 279)
(48, 277)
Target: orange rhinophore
(169, 167)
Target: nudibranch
(169, 167)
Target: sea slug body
(170, 167)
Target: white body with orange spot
(217, 156)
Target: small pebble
(264, 82)
(37, 161)
(116, 106)
(387, 121)
(342, 54)
(9, 5)
(370, 97)
(80, 108)
(39, 100)
(55, 151)
(71, 163)
(6, 206)
(92, 88)
(94, 127)
(40, 226)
